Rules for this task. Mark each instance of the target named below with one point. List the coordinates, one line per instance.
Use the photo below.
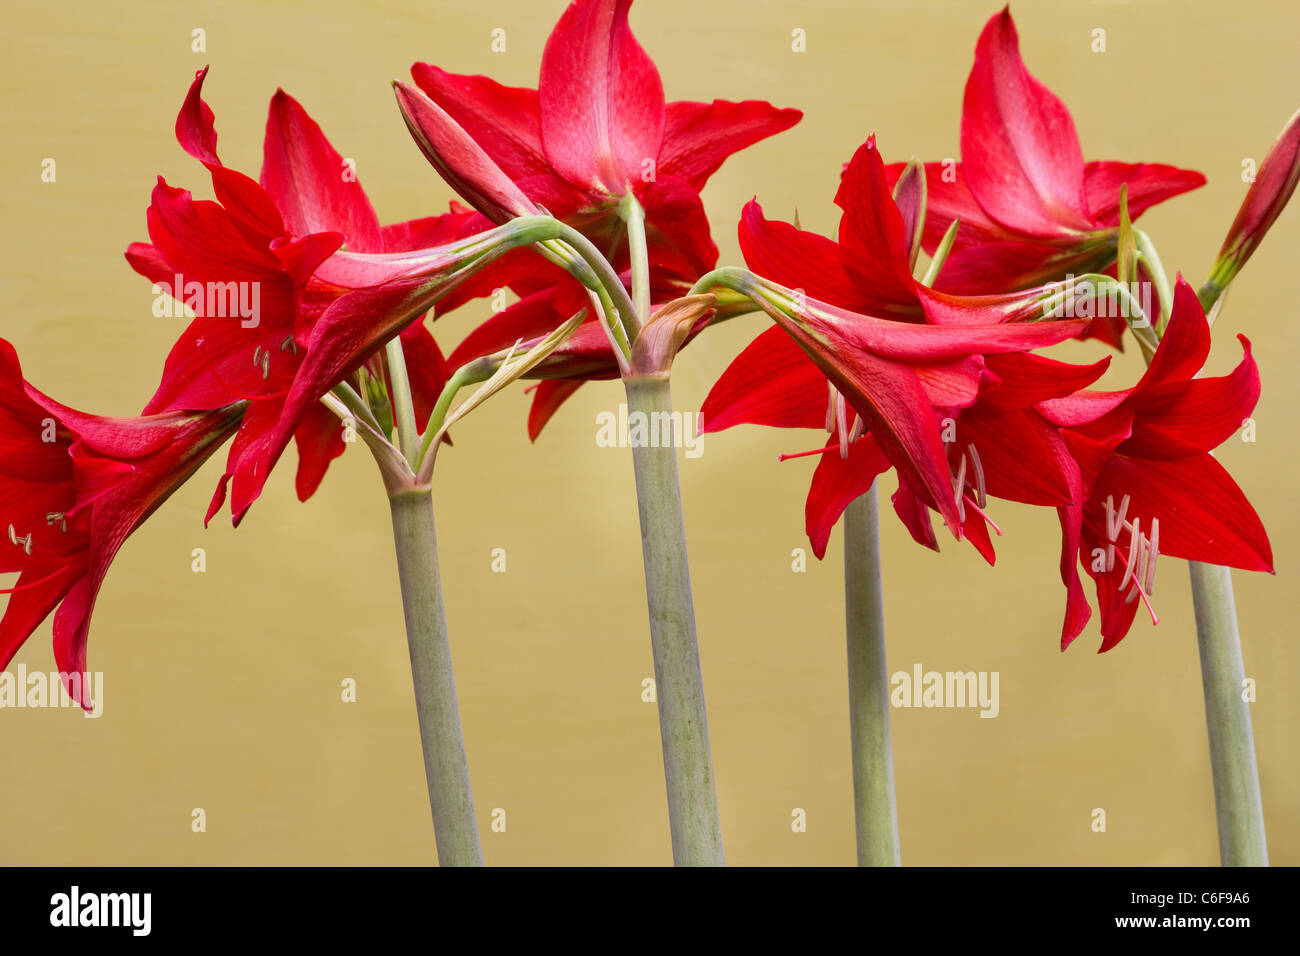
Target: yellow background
(223, 689)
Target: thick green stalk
(408, 436)
(638, 253)
(679, 684)
(875, 806)
(446, 770)
(1237, 801)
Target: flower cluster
(584, 199)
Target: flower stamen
(25, 540)
(980, 511)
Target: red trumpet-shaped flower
(73, 486)
(1151, 485)
(596, 128)
(893, 374)
(1031, 209)
(894, 349)
(995, 441)
(263, 265)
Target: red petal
(780, 252)
(1023, 457)
(320, 440)
(1020, 151)
(836, 483)
(309, 182)
(1204, 516)
(1185, 344)
(1148, 184)
(1175, 420)
(872, 233)
(915, 516)
(35, 595)
(698, 137)
(772, 382)
(601, 99)
(200, 239)
(1027, 379)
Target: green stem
(399, 388)
(1237, 801)
(445, 767)
(875, 805)
(476, 371)
(634, 216)
(679, 685)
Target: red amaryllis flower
(868, 269)
(1152, 486)
(73, 486)
(893, 374)
(1031, 209)
(997, 444)
(261, 267)
(597, 128)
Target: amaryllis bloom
(260, 268)
(997, 444)
(73, 486)
(1151, 485)
(893, 374)
(598, 128)
(868, 268)
(1031, 209)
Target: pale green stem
(1237, 801)
(729, 277)
(399, 387)
(446, 769)
(874, 801)
(679, 684)
(355, 404)
(634, 216)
